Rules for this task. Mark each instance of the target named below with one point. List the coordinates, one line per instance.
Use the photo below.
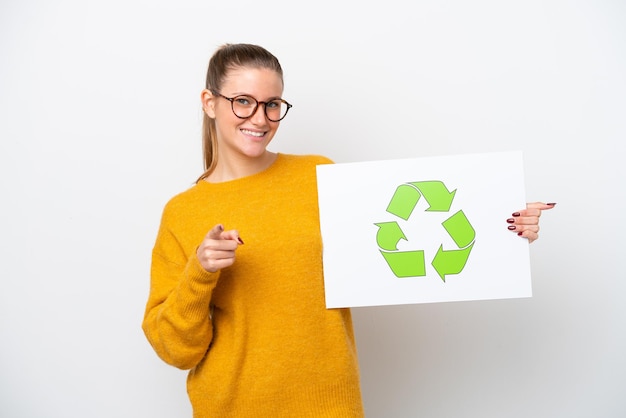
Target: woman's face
(249, 137)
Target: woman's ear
(208, 103)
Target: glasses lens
(244, 106)
(276, 110)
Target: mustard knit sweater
(256, 336)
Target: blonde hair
(225, 59)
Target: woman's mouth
(253, 133)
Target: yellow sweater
(270, 348)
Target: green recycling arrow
(450, 261)
(459, 229)
(388, 236)
(406, 263)
(406, 197)
(403, 201)
(436, 194)
(463, 234)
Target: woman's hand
(526, 222)
(217, 249)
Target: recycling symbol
(412, 263)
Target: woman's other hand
(526, 222)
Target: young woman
(249, 320)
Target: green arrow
(407, 263)
(403, 201)
(388, 235)
(451, 261)
(459, 229)
(436, 194)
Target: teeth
(257, 134)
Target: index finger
(215, 232)
(540, 205)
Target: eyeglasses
(245, 106)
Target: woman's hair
(229, 57)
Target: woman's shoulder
(186, 199)
(311, 159)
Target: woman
(255, 333)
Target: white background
(100, 125)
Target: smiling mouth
(253, 133)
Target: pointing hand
(217, 249)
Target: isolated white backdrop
(100, 125)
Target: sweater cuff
(196, 273)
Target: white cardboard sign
(423, 230)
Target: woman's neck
(232, 169)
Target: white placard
(423, 230)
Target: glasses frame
(258, 102)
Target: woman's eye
(273, 104)
(244, 101)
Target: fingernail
(240, 240)
(510, 220)
(511, 227)
(220, 227)
(519, 234)
(551, 204)
(516, 214)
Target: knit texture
(270, 348)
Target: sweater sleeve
(177, 320)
